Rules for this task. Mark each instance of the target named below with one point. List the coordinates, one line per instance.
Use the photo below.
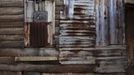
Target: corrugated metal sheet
(38, 34)
(78, 34)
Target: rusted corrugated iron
(38, 34)
(78, 34)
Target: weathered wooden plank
(11, 24)
(11, 37)
(36, 58)
(10, 44)
(48, 68)
(28, 52)
(11, 31)
(9, 73)
(11, 18)
(31, 73)
(110, 73)
(11, 3)
(7, 60)
(11, 11)
(84, 74)
(68, 74)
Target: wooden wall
(130, 36)
(71, 56)
(11, 23)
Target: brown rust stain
(38, 34)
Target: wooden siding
(11, 23)
(83, 43)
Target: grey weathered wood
(10, 73)
(11, 3)
(36, 58)
(11, 18)
(7, 60)
(31, 73)
(11, 24)
(68, 74)
(9, 31)
(11, 44)
(48, 68)
(11, 37)
(11, 11)
(28, 52)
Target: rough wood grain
(36, 58)
(11, 11)
(9, 73)
(11, 3)
(31, 73)
(48, 68)
(11, 18)
(7, 60)
(11, 44)
(11, 24)
(11, 37)
(11, 31)
(28, 52)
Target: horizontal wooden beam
(11, 38)
(11, 31)
(48, 68)
(11, 44)
(11, 3)
(12, 18)
(7, 60)
(11, 11)
(36, 58)
(11, 24)
(28, 52)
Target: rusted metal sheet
(110, 31)
(38, 34)
(77, 33)
(110, 22)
